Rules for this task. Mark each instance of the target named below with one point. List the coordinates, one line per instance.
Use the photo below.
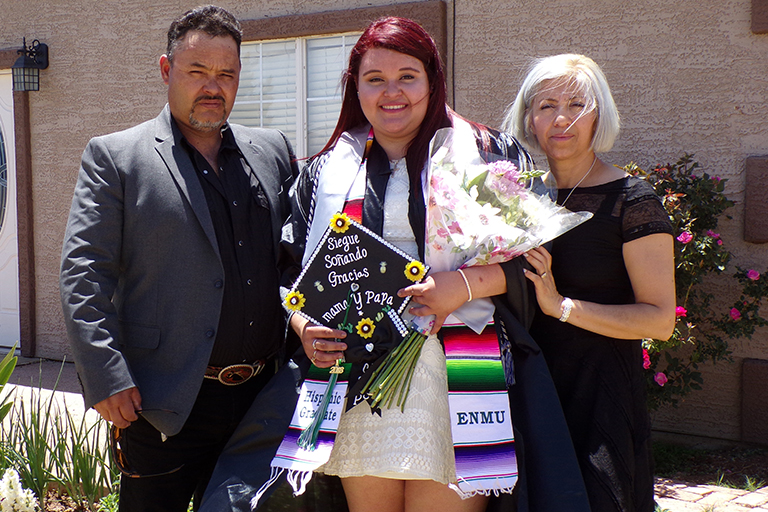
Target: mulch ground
(56, 503)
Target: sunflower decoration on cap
(295, 300)
(415, 271)
(365, 328)
(340, 222)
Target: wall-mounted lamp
(26, 69)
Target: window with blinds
(293, 85)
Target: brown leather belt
(234, 374)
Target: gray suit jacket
(141, 276)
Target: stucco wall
(687, 77)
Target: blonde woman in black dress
(605, 285)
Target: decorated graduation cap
(350, 283)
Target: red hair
(404, 36)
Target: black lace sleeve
(643, 212)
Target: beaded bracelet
(466, 282)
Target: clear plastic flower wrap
(480, 210)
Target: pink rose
(735, 314)
(754, 275)
(646, 359)
(716, 179)
(660, 379)
(680, 311)
(719, 242)
(685, 237)
(713, 234)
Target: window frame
(432, 15)
(302, 98)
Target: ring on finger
(543, 275)
(314, 357)
(314, 344)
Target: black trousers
(195, 449)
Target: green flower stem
(420, 340)
(391, 382)
(407, 372)
(391, 367)
(386, 367)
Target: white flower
(13, 497)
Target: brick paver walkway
(681, 497)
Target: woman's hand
(442, 293)
(320, 343)
(548, 297)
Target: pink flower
(504, 168)
(660, 379)
(646, 359)
(735, 314)
(502, 179)
(680, 311)
(455, 228)
(754, 275)
(685, 237)
(719, 242)
(716, 179)
(713, 234)
(442, 232)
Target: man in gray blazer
(169, 278)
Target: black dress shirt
(249, 327)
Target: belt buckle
(235, 374)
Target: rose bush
(695, 201)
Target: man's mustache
(204, 98)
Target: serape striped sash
(483, 440)
(301, 463)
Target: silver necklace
(579, 183)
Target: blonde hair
(586, 77)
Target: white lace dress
(417, 443)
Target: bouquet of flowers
(479, 211)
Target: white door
(9, 255)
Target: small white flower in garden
(13, 497)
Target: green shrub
(695, 202)
(50, 449)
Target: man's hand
(121, 407)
